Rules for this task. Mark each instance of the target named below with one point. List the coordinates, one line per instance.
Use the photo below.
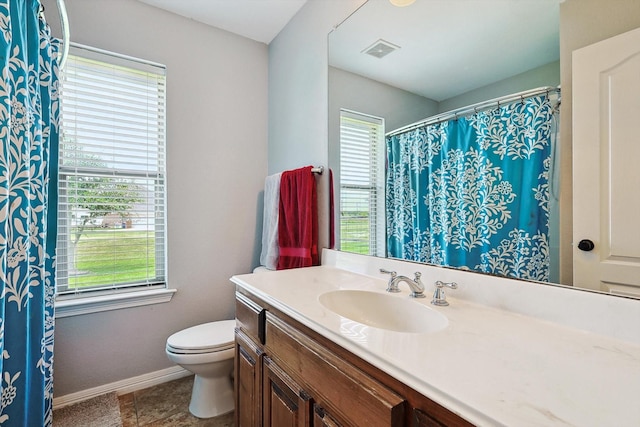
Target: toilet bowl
(207, 350)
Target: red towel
(298, 221)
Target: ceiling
(259, 20)
(448, 47)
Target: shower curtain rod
(474, 108)
(64, 23)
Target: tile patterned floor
(165, 405)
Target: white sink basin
(384, 311)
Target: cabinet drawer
(335, 384)
(250, 317)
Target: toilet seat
(206, 338)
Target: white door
(606, 165)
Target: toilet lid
(205, 338)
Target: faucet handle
(439, 297)
(391, 286)
(452, 285)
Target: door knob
(586, 245)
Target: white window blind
(111, 204)
(362, 224)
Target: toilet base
(211, 397)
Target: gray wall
(298, 95)
(354, 92)
(357, 93)
(298, 85)
(217, 161)
(546, 75)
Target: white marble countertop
(490, 366)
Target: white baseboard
(123, 386)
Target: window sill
(78, 306)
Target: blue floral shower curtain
(474, 192)
(28, 164)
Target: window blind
(111, 204)
(362, 225)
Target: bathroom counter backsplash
(615, 316)
(497, 362)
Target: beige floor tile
(128, 410)
(166, 405)
(161, 401)
(185, 419)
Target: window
(362, 220)
(111, 204)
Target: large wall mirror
(405, 64)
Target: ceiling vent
(380, 48)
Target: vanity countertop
(490, 366)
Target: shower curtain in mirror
(474, 192)
(28, 161)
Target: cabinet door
(322, 419)
(248, 382)
(285, 404)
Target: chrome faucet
(439, 298)
(416, 286)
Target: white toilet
(207, 350)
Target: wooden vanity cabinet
(285, 403)
(288, 375)
(248, 362)
(422, 419)
(322, 419)
(248, 381)
(338, 387)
